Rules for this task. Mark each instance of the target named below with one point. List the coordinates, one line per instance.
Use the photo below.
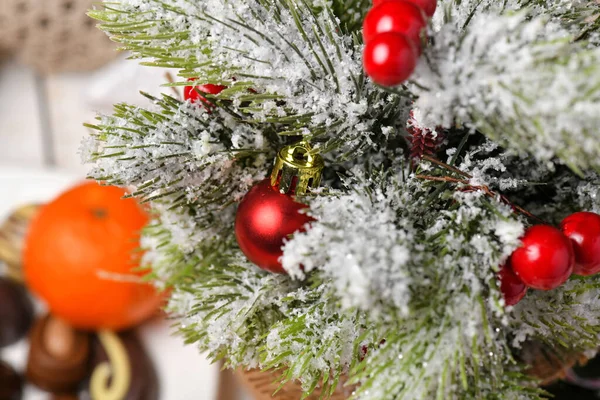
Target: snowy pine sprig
(285, 62)
(519, 78)
(190, 163)
(262, 320)
(384, 245)
(394, 287)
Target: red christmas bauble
(583, 228)
(428, 6)
(512, 288)
(390, 58)
(395, 16)
(264, 219)
(545, 260)
(192, 93)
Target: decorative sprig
(305, 75)
(520, 79)
(400, 263)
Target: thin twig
(485, 189)
(442, 179)
(170, 79)
(446, 166)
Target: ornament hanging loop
(297, 169)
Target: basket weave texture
(546, 366)
(262, 385)
(53, 35)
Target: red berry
(390, 58)
(512, 288)
(364, 349)
(428, 6)
(192, 93)
(395, 16)
(545, 260)
(583, 228)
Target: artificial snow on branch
(285, 62)
(519, 79)
(394, 286)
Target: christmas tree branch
(520, 80)
(269, 47)
(400, 263)
(565, 318)
(400, 280)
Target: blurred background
(56, 72)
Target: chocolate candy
(64, 396)
(128, 365)
(11, 384)
(12, 238)
(58, 356)
(16, 312)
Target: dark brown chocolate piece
(16, 312)
(64, 396)
(138, 372)
(11, 384)
(59, 356)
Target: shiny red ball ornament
(390, 58)
(192, 93)
(546, 258)
(583, 228)
(512, 288)
(264, 219)
(395, 16)
(428, 6)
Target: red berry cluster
(392, 34)
(193, 93)
(548, 256)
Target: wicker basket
(546, 365)
(262, 385)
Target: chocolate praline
(16, 312)
(11, 383)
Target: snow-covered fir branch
(252, 319)
(580, 17)
(191, 163)
(520, 79)
(177, 148)
(257, 319)
(284, 62)
(362, 243)
(422, 274)
(394, 286)
(567, 317)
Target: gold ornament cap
(296, 169)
